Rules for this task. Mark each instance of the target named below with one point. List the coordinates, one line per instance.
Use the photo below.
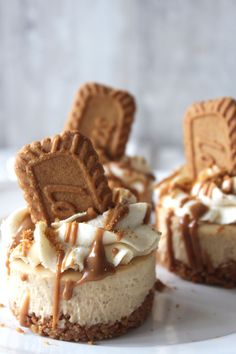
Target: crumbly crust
(75, 332)
(223, 276)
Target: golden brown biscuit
(61, 176)
(210, 135)
(104, 115)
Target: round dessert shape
(198, 224)
(206, 255)
(88, 277)
(88, 311)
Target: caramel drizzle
(74, 233)
(71, 233)
(170, 251)
(198, 209)
(189, 228)
(56, 299)
(191, 241)
(185, 224)
(24, 277)
(68, 290)
(67, 233)
(96, 266)
(147, 215)
(24, 311)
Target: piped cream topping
(123, 239)
(214, 189)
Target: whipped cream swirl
(214, 189)
(129, 238)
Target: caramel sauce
(24, 277)
(96, 265)
(115, 215)
(67, 233)
(147, 215)
(170, 251)
(184, 223)
(24, 310)
(198, 209)
(74, 232)
(56, 299)
(68, 290)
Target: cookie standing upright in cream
(81, 259)
(105, 115)
(196, 205)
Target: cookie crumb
(159, 286)
(90, 342)
(1, 306)
(2, 325)
(177, 306)
(20, 330)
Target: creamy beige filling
(217, 242)
(103, 301)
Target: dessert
(105, 115)
(81, 258)
(196, 205)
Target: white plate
(186, 318)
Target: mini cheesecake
(88, 277)
(132, 173)
(197, 218)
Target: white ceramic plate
(186, 318)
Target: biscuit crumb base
(223, 276)
(76, 333)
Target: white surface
(186, 318)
